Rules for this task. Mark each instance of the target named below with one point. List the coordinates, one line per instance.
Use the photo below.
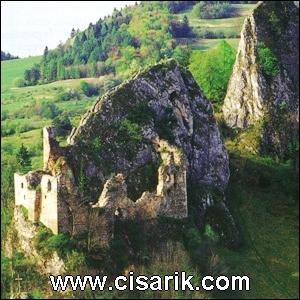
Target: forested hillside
(131, 38)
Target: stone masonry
(52, 197)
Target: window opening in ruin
(22, 184)
(48, 186)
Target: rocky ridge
(264, 86)
(162, 102)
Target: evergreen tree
(23, 159)
(46, 51)
(73, 33)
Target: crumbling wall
(51, 148)
(27, 196)
(170, 198)
(172, 181)
(49, 211)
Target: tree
(23, 159)
(182, 55)
(73, 32)
(49, 110)
(7, 56)
(46, 51)
(212, 70)
(62, 125)
(88, 89)
(31, 76)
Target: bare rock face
(117, 133)
(156, 131)
(22, 239)
(264, 86)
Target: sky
(28, 26)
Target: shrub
(5, 131)
(140, 114)
(60, 243)
(24, 212)
(23, 127)
(182, 55)
(40, 240)
(129, 132)
(49, 110)
(210, 233)
(267, 61)
(118, 252)
(111, 83)
(4, 115)
(88, 89)
(68, 95)
(19, 82)
(75, 260)
(213, 10)
(62, 125)
(36, 294)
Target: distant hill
(137, 36)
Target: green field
(17, 102)
(263, 196)
(11, 69)
(206, 44)
(226, 29)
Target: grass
(15, 101)
(206, 44)
(11, 69)
(263, 197)
(230, 28)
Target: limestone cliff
(116, 135)
(157, 132)
(264, 86)
(21, 238)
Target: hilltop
(139, 35)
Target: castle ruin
(52, 197)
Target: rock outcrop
(22, 239)
(155, 131)
(117, 133)
(264, 86)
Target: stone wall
(38, 193)
(26, 196)
(49, 199)
(51, 149)
(172, 181)
(169, 200)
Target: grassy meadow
(227, 29)
(12, 69)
